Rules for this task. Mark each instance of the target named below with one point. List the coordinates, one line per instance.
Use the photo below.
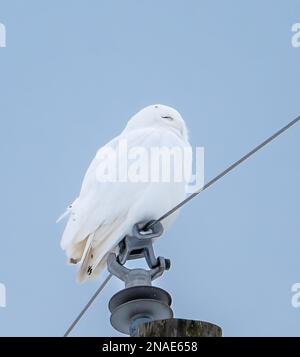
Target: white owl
(106, 209)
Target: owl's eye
(168, 117)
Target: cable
(225, 172)
(207, 185)
(102, 286)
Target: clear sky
(72, 74)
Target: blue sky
(72, 74)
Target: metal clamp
(136, 246)
(139, 301)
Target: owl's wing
(102, 214)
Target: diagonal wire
(207, 185)
(74, 323)
(225, 172)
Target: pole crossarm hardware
(139, 302)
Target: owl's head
(160, 116)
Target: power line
(225, 172)
(207, 185)
(74, 323)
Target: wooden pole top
(178, 328)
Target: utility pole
(178, 328)
(143, 310)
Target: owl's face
(160, 115)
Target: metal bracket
(136, 246)
(139, 301)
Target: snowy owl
(116, 193)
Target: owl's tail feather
(104, 240)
